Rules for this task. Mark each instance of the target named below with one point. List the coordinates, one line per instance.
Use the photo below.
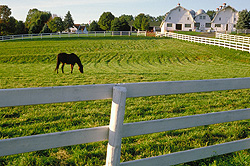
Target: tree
(68, 21)
(5, 13)
(211, 14)
(94, 26)
(36, 19)
(128, 18)
(243, 20)
(11, 25)
(141, 22)
(116, 25)
(124, 24)
(46, 29)
(20, 28)
(105, 21)
(160, 18)
(56, 24)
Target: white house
(202, 21)
(178, 18)
(225, 19)
(182, 19)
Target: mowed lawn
(31, 63)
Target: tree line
(36, 22)
(43, 22)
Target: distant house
(182, 19)
(78, 28)
(202, 21)
(225, 19)
(178, 18)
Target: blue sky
(84, 10)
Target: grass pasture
(31, 63)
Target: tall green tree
(56, 24)
(115, 24)
(68, 21)
(11, 25)
(124, 24)
(141, 22)
(243, 20)
(5, 13)
(94, 26)
(105, 21)
(20, 28)
(36, 19)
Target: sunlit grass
(109, 60)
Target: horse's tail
(57, 64)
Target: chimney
(179, 4)
(217, 9)
(220, 7)
(224, 4)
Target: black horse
(68, 59)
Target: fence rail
(235, 38)
(210, 41)
(59, 35)
(117, 130)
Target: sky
(83, 11)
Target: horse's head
(81, 69)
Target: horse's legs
(72, 66)
(62, 68)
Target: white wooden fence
(59, 35)
(117, 130)
(235, 38)
(210, 41)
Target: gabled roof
(191, 16)
(234, 10)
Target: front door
(179, 27)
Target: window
(200, 17)
(187, 18)
(169, 18)
(220, 19)
(197, 24)
(217, 25)
(169, 24)
(234, 19)
(208, 25)
(179, 10)
(187, 25)
(204, 17)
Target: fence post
(115, 126)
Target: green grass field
(31, 63)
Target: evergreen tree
(68, 21)
(244, 20)
(105, 21)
